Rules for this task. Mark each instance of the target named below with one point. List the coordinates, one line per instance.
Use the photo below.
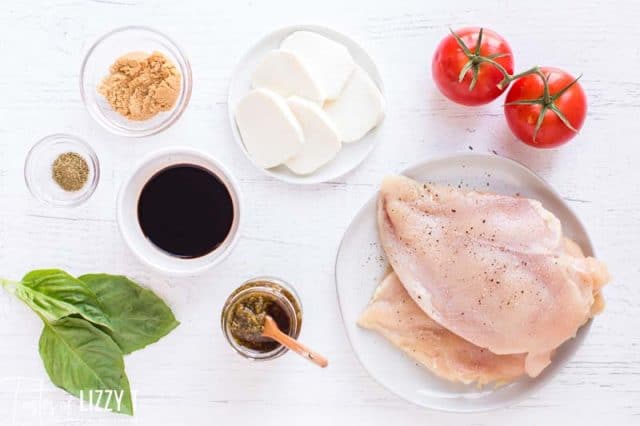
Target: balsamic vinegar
(186, 211)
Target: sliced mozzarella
(321, 140)
(269, 130)
(329, 63)
(284, 73)
(358, 109)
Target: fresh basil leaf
(53, 294)
(86, 362)
(138, 317)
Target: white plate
(352, 154)
(360, 265)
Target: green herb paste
(247, 320)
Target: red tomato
(451, 57)
(566, 100)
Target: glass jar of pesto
(244, 311)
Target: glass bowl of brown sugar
(135, 81)
(61, 170)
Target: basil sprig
(138, 317)
(54, 294)
(90, 322)
(83, 360)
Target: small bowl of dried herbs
(61, 170)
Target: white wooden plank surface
(191, 377)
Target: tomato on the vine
(545, 107)
(469, 64)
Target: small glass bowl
(38, 170)
(104, 52)
(287, 298)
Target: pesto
(247, 320)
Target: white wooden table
(192, 377)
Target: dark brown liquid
(186, 211)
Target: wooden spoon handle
(296, 346)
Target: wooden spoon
(272, 331)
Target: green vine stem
(475, 59)
(508, 79)
(546, 101)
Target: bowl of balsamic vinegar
(179, 211)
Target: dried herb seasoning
(70, 171)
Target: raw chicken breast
(393, 314)
(492, 269)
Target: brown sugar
(140, 85)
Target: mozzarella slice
(269, 130)
(329, 63)
(322, 142)
(358, 109)
(284, 73)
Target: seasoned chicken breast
(492, 269)
(394, 315)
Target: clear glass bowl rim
(175, 113)
(93, 159)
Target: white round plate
(352, 154)
(361, 264)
